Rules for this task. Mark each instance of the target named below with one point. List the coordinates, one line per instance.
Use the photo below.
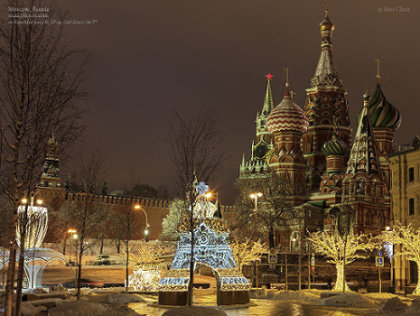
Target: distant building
(54, 194)
(405, 192)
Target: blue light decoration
(211, 248)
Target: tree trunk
(128, 235)
(65, 243)
(101, 249)
(21, 265)
(81, 247)
(191, 284)
(79, 267)
(118, 245)
(8, 299)
(271, 237)
(126, 266)
(417, 289)
(340, 275)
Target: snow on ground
(308, 296)
(193, 311)
(414, 309)
(33, 291)
(350, 299)
(122, 298)
(80, 308)
(393, 305)
(29, 310)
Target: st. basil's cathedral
(333, 178)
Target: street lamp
(255, 196)
(146, 231)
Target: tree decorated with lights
(177, 211)
(150, 254)
(408, 240)
(340, 253)
(248, 251)
(150, 258)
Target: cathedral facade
(333, 176)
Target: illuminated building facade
(329, 172)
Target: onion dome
(335, 147)
(287, 116)
(326, 24)
(382, 113)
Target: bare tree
(40, 79)
(116, 230)
(196, 154)
(87, 211)
(271, 208)
(65, 219)
(103, 224)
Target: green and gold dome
(382, 113)
(335, 147)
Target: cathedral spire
(287, 91)
(363, 157)
(326, 73)
(268, 100)
(378, 70)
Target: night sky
(153, 56)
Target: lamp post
(75, 237)
(67, 232)
(389, 247)
(255, 196)
(146, 230)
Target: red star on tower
(269, 76)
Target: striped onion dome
(382, 113)
(287, 116)
(335, 147)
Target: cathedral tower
(335, 151)
(288, 123)
(385, 121)
(364, 187)
(326, 99)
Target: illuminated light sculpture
(36, 259)
(211, 248)
(144, 280)
(37, 225)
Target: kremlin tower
(257, 166)
(50, 177)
